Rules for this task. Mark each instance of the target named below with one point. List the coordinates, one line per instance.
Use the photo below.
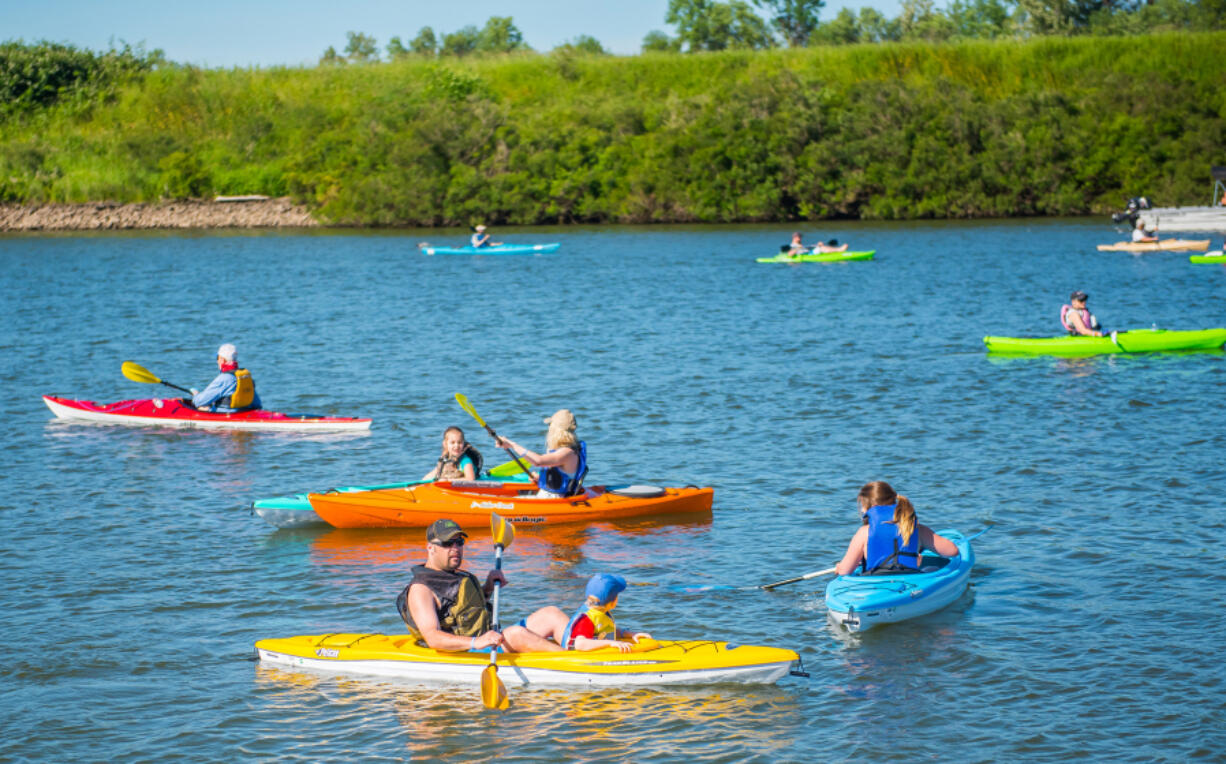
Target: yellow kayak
(651, 662)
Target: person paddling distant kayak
(591, 627)
(1077, 319)
(1141, 235)
(565, 462)
(891, 539)
(459, 461)
(231, 390)
(797, 247)
(482, 239)
(449, 608)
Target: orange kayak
(469, 502)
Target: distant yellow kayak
(650, 663)
(1166, 245)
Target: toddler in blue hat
(591, 626)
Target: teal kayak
(504, 249)
(819, 257)
(859, 602)
(1209, 258)
(295, 511)
(1133, 341)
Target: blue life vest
(885, 552)
(554, 480)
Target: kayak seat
(928, 564)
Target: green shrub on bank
(888, 131)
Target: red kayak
(174, 412)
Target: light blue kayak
(860, 602)
(504, 249)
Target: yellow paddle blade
(504, 532)
(464, 404)
(137, 373)
(493, 691)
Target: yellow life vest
(244, 393)
(603, 623)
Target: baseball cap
(605, 587)
(1079, 295)
(443, 530)
(228, 351)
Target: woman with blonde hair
(565, 461)
(891, 539)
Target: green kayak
(1134, 341)
(1209, 258)
(820, 257)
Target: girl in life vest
(459, 460)
(890, 540)
(565, 463)
(591, 626)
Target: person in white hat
(1142, 235)
(482, 239)
(565, 463)
(231, 390)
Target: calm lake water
(136, 578)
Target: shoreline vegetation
(189, 213)
(881, 131)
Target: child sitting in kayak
(459, 460)
(591, 627)
(891, 539)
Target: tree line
(1053, 125)
(711, 25)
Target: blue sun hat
(605, 587)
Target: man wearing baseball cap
(231, 390)
(1077, 319)
(451, 610)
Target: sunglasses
(449, 544)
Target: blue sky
(226, 33)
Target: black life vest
(460, 601)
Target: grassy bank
(1049, 126)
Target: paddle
(137, 373)
(493, 691)
(509, 469)
(464, 404)
(767, 587)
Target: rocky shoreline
(112, 216)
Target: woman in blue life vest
(233, 389)
(591, 627)
(564, 465)
(891, 540)
(459, 460)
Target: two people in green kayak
(891, 539)
(798, 247)
(231, 390)
(450, 610)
